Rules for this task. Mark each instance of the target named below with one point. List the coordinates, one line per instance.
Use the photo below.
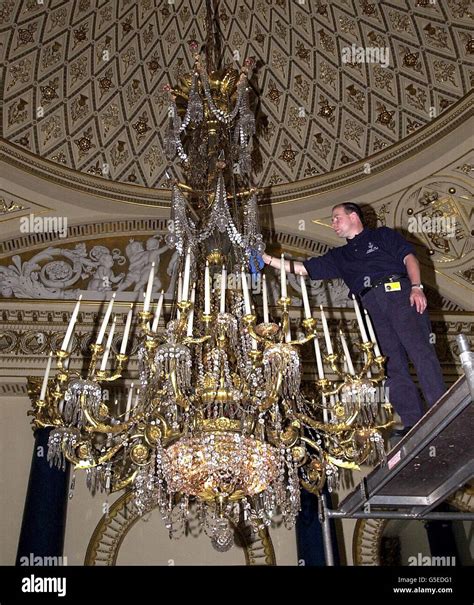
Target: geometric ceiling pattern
(83, 81)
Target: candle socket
(249, 319)
(256, 357)
(41, 403)
(61, 356)
(96, 349)
(121, 358)
(366, 346)
(184, 305)
(150, 344)
(145, 317)
(206, 318)
(309, 325)
(284, 302)
(323, 384)
(61, 377)
(332, 360)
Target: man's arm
(275, 262)
(417, 296)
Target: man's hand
(256, 263)
(418, 298)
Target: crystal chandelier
(219, 425)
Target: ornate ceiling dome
(84, 80)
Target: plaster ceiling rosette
(83, 81)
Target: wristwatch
(417, 286)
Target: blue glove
(256, 263)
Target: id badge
(392, 286)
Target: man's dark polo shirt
(373, 253)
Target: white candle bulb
(359, 320)
(68, 359)
(325, 412)
(191, 312)
(149, 288)
(347, 354)
(108, 346)
(105, 321)
(319, 360)
(129, 403)
(245, 292)
(304, 292)
(159, 306)
(137, 396)
(187, 272)
(207, 290)
(70, 327)
(283, 277)
(254, 344)
(46, 376)
(265, 299)
(128, 323)
(332, 400)
(327, 337)
(373, 338)
(223, 288)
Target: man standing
(380, 267)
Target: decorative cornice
(134, 227)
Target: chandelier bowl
(220, 464)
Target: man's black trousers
(404, 333)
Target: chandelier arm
(302, 341)
(285, 316)
(196, 341)
(250, 321)
(104, 376)
(90, 462)
(327, 428)
(332, 359)
(118, 485)
(272, 399)
(380, 376)
(367, 348)
(99, 427)
(96, 351)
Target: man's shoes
(397, 435)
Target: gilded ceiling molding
(409, 147)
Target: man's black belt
(383, 280)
